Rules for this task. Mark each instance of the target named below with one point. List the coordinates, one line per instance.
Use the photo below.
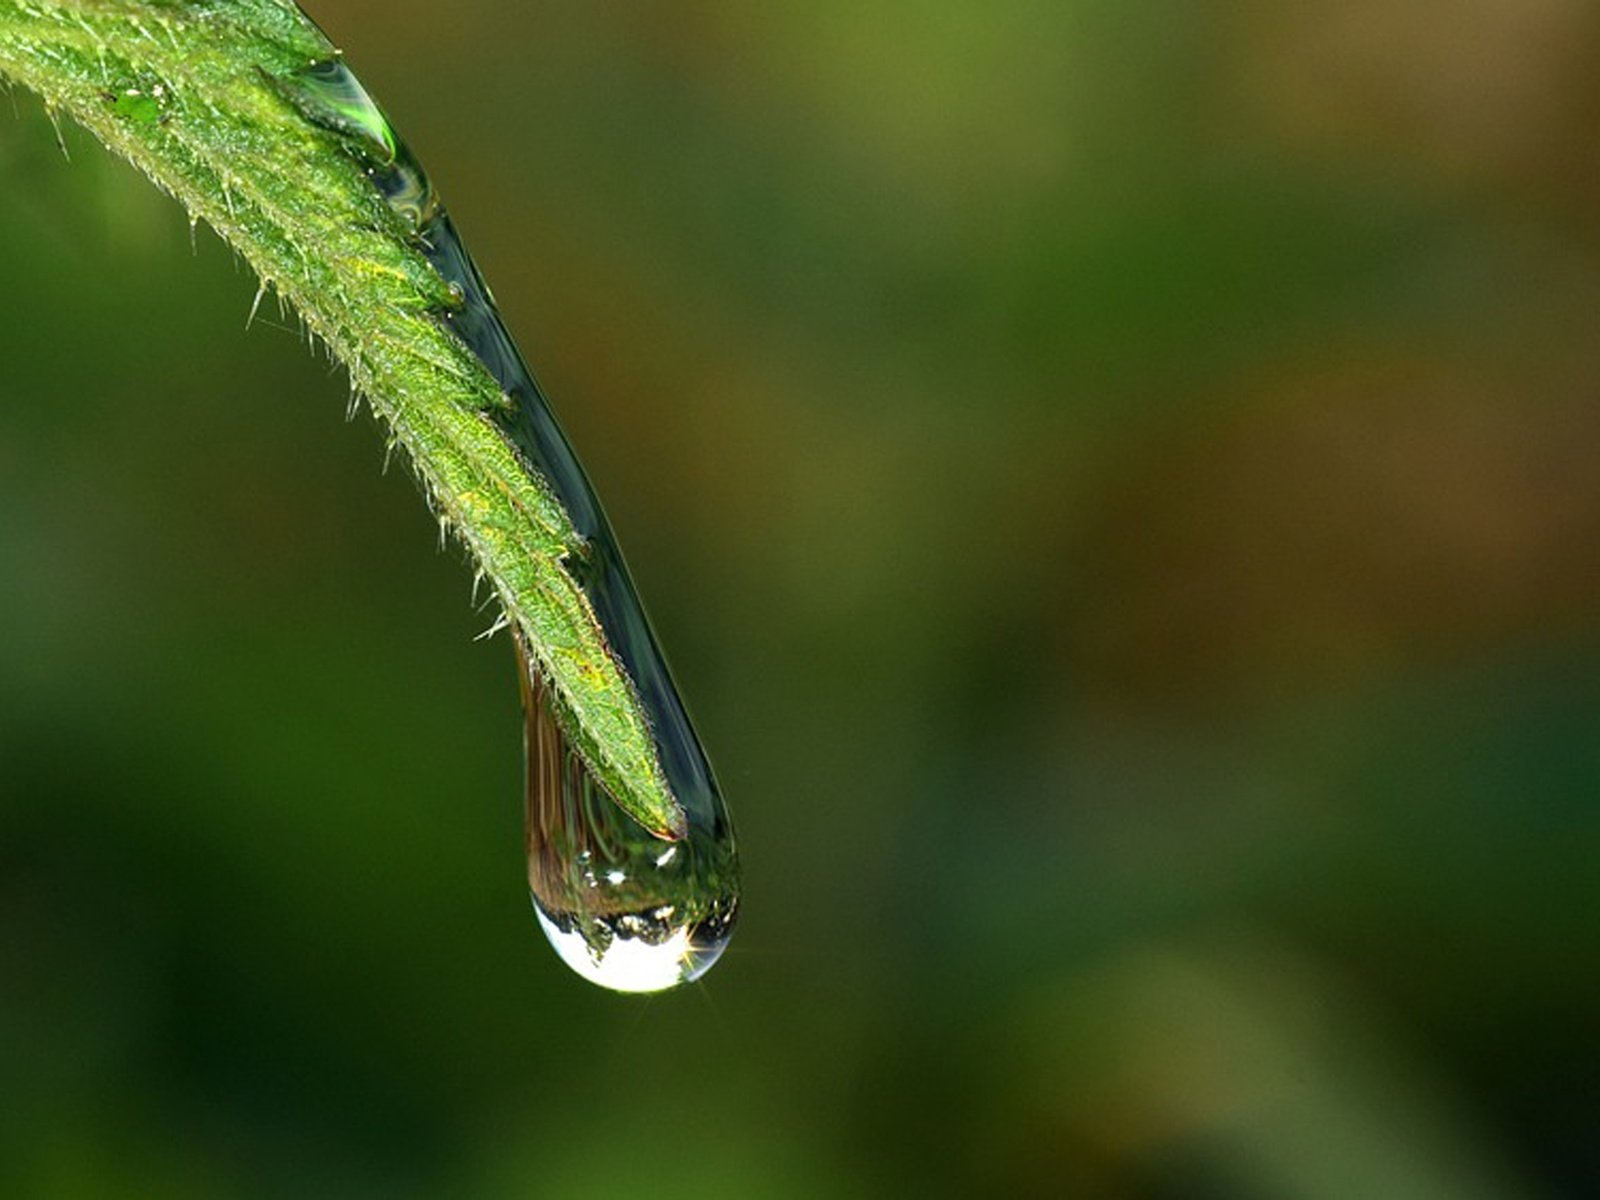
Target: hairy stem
(198, 94)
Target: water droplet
(328, 93)
(622, 907)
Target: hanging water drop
(631, 908)
(623, 908)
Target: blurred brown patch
(1497, 91)
(1358, 517)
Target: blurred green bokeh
(1118, 484)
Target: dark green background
(1118, 486)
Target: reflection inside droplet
(634, 964)
(622, 907)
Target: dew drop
(328, 93)
(623, 908)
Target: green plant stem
(189, 92)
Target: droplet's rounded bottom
(636, 952)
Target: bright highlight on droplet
(632, 964)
